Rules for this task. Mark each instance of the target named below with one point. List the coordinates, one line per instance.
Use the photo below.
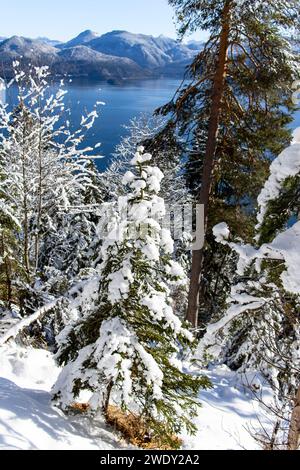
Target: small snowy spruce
(141, 131)
(125, 350)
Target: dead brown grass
(80, 407)
(135, 431)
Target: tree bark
(8, 281)
(40, 199)
(208, 165)
(107, 398)
(25, 201)
(294, 432)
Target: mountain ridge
(117, 55)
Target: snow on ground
(28, 421)
(229, 414)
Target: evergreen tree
(231, 112)
(124, 348)
(9, 260)
(140, 132)
(48, 194)
(260, 331)
(174, 191)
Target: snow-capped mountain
(114, 55)
(138, 47)
(83, 61)
(25, 49)
(147, 51)
(51, 42)
(17, 46)
(195, 45)
(80, 40)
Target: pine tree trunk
(40, 200)
(208, 165)
(294, 432)
(107, 398)
(8, 283)
(7, 273)
(25, 207)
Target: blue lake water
(123, 102)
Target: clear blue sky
(63, 19)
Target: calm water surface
(122, 103)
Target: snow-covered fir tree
(260, 331)
(124, 349)
(177, 198)
(140, 132)
(48, 194)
